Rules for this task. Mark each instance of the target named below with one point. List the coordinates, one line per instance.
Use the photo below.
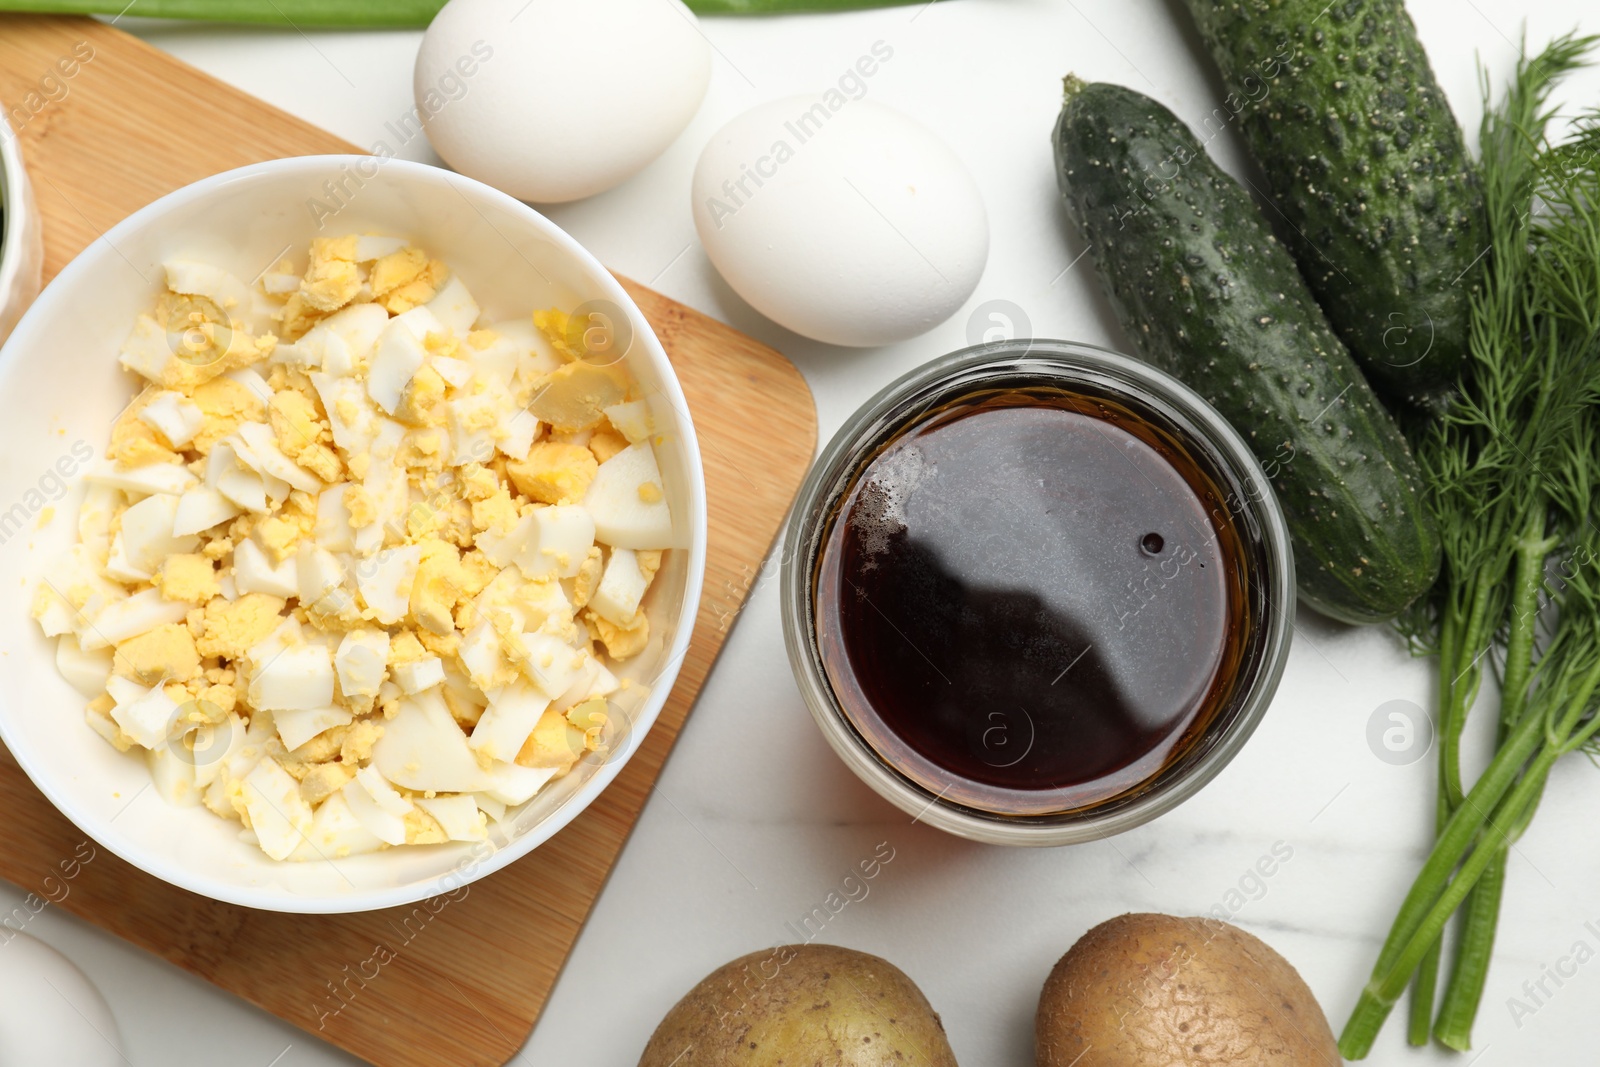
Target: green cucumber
(1380, 202)
(1206, 292)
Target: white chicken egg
(843, 220)
(551, 100)
(49, 1012)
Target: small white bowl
(60, 385)
(22, 246)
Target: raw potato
(802, 1005)
(1160, 991)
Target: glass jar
(1239, 494)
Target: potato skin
(801, 1006)
(1161, 991)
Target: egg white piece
(150, 478)
(377, 805)
(146, 535)
(512, 783)
(457, 816)
(423, 749)
(628, 503)
(172, 776)
(558, 541)
(253, 572)
(100, 503)
(632, 420)
(297, 727)
(148, 719)
(297, 678)
(400, 355)
(214, 745)
(549, 663)
(129, 617)
(385, 582)
(50, 1013)
(454, 307)
(174, 415)
(374, 246)
(582, 686)
(87, 671)
(202, 508)
(280, 817)
(551, 100)
(336, 833)
(843, 220)
(622, 586)
(418, 675)
(360, 662)
(512, 714)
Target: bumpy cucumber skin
(1362, 155)
(1207, 293)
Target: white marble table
(755, 821)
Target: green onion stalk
(372, 14)
(1509, 465)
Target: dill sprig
(1512, 465)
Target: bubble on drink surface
(880, 510)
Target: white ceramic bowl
(60, 384)
(22, 246)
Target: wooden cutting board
(465, 985)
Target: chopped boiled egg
(385, 582)
(458, 816)
(129, 617)
(362, 662)
(423, 749)
(353, 563)
(280, 817)
(335, 833)
(512, 783)
(174, 416)
(297, 677)
(150, 478)
(254, 572)
(512, 714)
(86, 671)
(627, 501)
(148, 717)
(632, 420)
(454, 307)
(296, 727)
(621, 587)
(400, 354)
